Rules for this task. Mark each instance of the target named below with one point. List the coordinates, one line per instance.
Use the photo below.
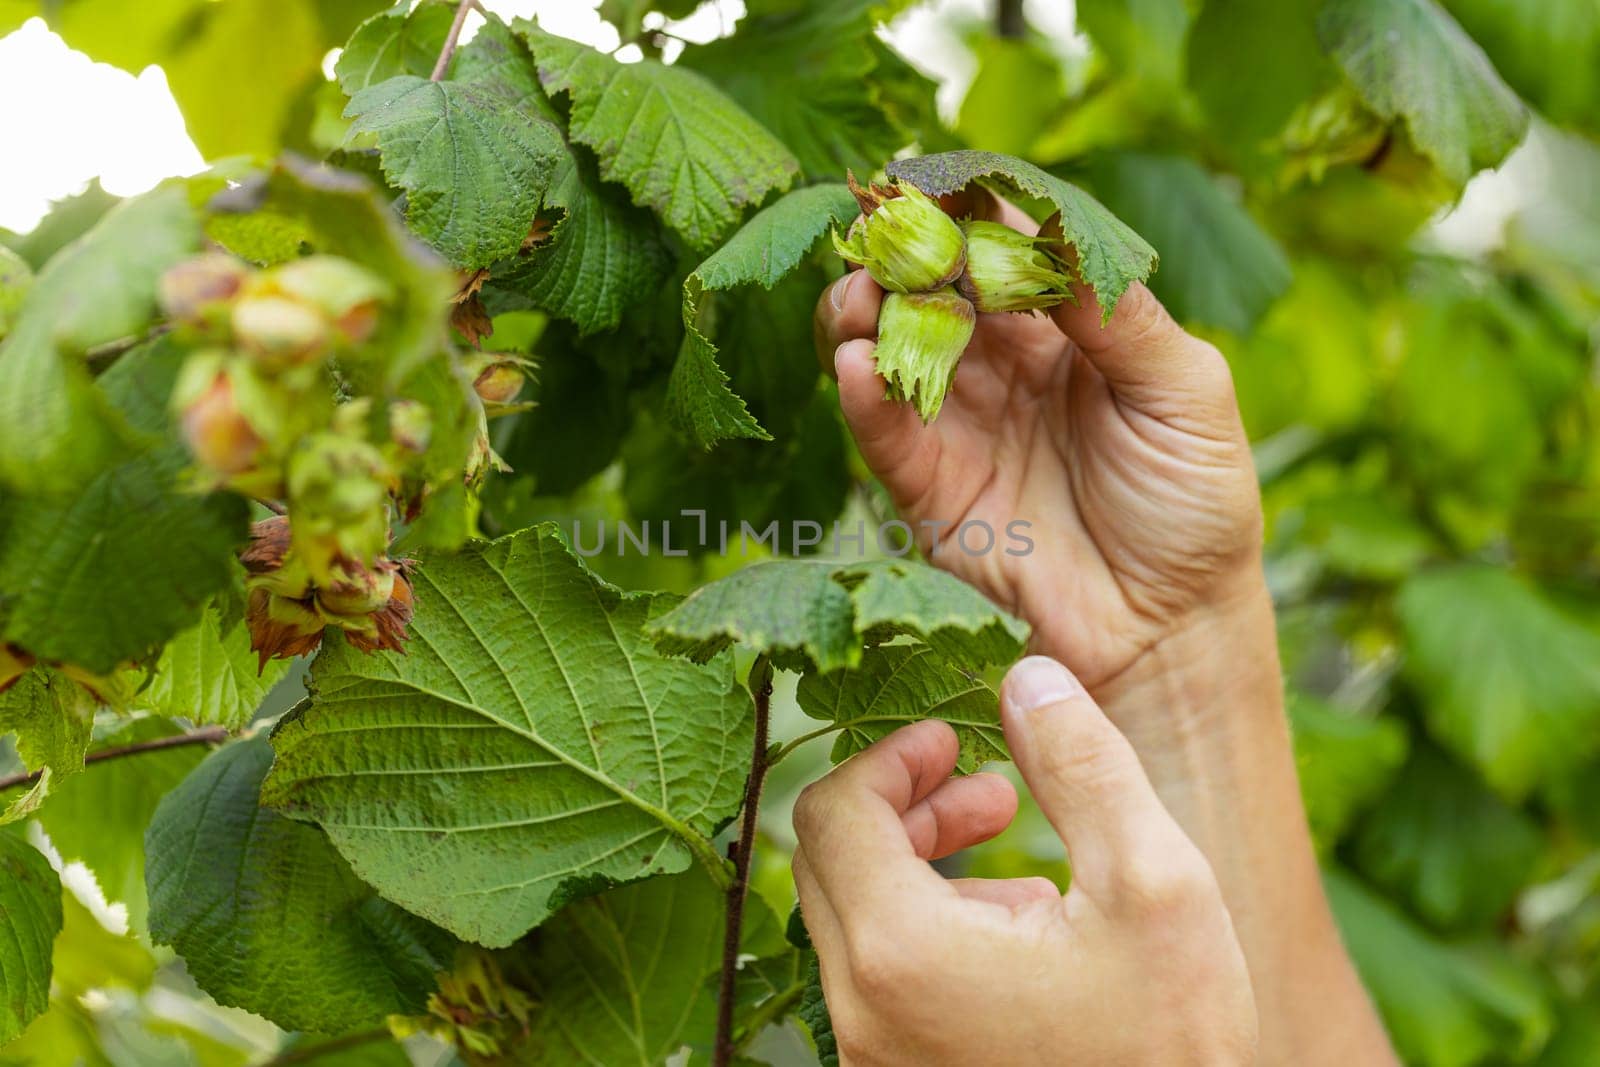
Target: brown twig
(761, 686)
(210, 735)
(454, 35)
(1008, 19)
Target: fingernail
(840, 290)
(1039, 681)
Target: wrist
(1213, 671)
(1204, 709)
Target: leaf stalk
(449, 49)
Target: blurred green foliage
(1417, 368)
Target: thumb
(1142, 352)
(1088, 782)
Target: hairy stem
(450, 40)
(761, 686)
(211, 735)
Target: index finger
(851, 827)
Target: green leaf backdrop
(442, 844)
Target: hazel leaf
(676, 141)
(1411, 62)
(636, 1002)
(105, 573)
(474, 166)
(700, 405)
(1111, 256)
(30, 919)
(900, 684)
(529, 747)
(53, 720)
(816, 615)
(267, 916)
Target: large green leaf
(1549, 50)
(99, 817)
(345, 215)
(56, 430)
(677, 143)
(769, 246)
(1446, 845)
(813, 86)
(1445, 1005)
(30, 919)
(266, 915)
(530, 746)
(1276, 42)
(209, 674)
(1218, 267)
(900, 684)
(1111, 256)
(1412, 63)
(52, 718)
(1344, 762)
(819, 614)
(644, 952)
(474, 166)
(1142, 38)
(276, 49)
(392, 43)
(104, 574)
(604, 256)
(1509, 681)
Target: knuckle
(1140, 317)
(810, 810)
(878, 965)
(1158, 885)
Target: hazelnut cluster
(939, 273)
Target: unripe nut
(346, 294)
(278, 330)
(907, 243)
(359, 590)
(188, 289)
(1010, 271)
(499, 383)
(218, 435)
(921, 337)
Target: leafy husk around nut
(921, 337)
(904, 240)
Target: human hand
(1121, 445)
(1138, 963)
